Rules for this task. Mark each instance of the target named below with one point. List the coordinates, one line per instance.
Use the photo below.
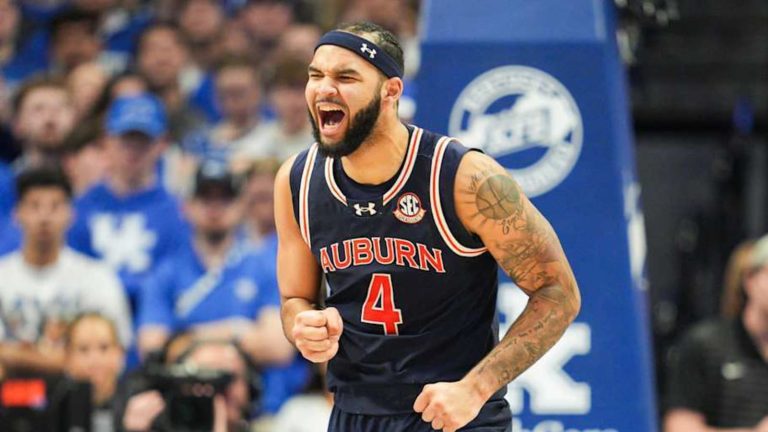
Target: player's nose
(326, 88)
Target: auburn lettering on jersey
(363, 251)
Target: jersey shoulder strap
(448, 154)
(300, 179)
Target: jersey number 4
(379, 306)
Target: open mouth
(330, 118)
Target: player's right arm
(314, 332)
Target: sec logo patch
(409, 208)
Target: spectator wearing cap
(129, 220)
(216, 287)
(45, 284)
(718, 372)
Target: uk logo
(124, 242)
(526, 119)
(368, 210)
(371, 52)
(409, 209)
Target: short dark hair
(43, 176)
(378, 35)
(34, 83)
(238, 62)
(161, 25)
(74, 16)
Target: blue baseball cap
(139, 113)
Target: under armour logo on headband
(365, 49)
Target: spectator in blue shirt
(129, 220)
(220, 288)
(216, 287)
(18, 59)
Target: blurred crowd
(138, 146)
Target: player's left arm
(491, 205)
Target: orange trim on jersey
(306, 176)
(332, 186)
(405, 173)
(437, 206)
(410, 162)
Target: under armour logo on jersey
(370, 210)
(123, 242)
(365, 49)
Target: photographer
(169, 407)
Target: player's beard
(360, 128)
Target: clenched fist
(316, 334)
(448, 406)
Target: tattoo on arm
(526, 247)
(533, 334)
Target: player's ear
(392, 89)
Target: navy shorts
(495, 416)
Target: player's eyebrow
(346, 71)
(336, 72)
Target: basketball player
(407, 227)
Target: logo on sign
(525, 118)
(409, 209)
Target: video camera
(45, 403)
(188, 392)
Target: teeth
(326, 108)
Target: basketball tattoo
(497, 198)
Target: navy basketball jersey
(416, 291)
